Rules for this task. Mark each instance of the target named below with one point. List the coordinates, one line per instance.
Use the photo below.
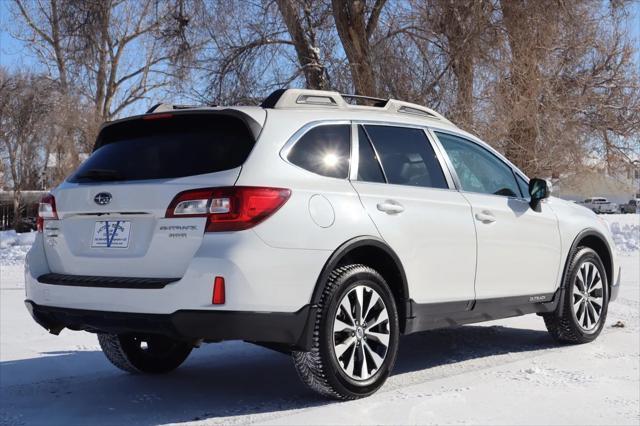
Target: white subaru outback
(309, 225)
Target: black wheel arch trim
(350, 245)
(589, 232)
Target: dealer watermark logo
(102, 198)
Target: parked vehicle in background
(600, 205)
(633, 206)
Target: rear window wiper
(100, 174)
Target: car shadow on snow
(217, 382)
(454, 345)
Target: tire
(144, 354)
(574, 320)
(334, 366)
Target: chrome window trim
(286, 149)
(355, 152)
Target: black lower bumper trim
(290, 329)
(105, 282)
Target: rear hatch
(111, 211)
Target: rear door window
(407, 156)
(173, 146)
(324, 150)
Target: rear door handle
(485, 217)
(390, 207)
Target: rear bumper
(258, 278)
(290, 329)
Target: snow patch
(14, 246)
(625, 229)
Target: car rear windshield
(170, 146)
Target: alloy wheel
(588, 296)
(361, 333)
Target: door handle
(485, 217)
(390, 207)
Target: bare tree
(548, 82)
(566, 82)
(24, 100)
(114, 51)
(356, 24)
(42, 132)
(465, 32)
(303, 35)
(252, 48)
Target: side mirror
(539, 189)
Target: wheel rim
(588, 296)
(361, 333)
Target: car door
(518, 247)
(410, 199)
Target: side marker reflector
(218, 291)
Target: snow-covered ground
(14, 247)
(503, 372)
(626, 231)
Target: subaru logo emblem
(102, 199)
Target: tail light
(231, 208)
(46, 210)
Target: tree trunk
(523, 86)
(462, 25)
(463, 109)
(308, 54)
(17, 203)
(354, 33)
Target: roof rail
(306, 98)
(377, 102)
(164, 107)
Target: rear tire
(355, 338)
(582, 312)
(144, 354)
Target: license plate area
(111, 234)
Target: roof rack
(377, 102)
(164, 107)
(306, 98)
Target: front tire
(582, 312)
(355, 338)
(144, 354)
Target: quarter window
(407, 156)
(324, 150)
(368, 166)
(478, 169)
